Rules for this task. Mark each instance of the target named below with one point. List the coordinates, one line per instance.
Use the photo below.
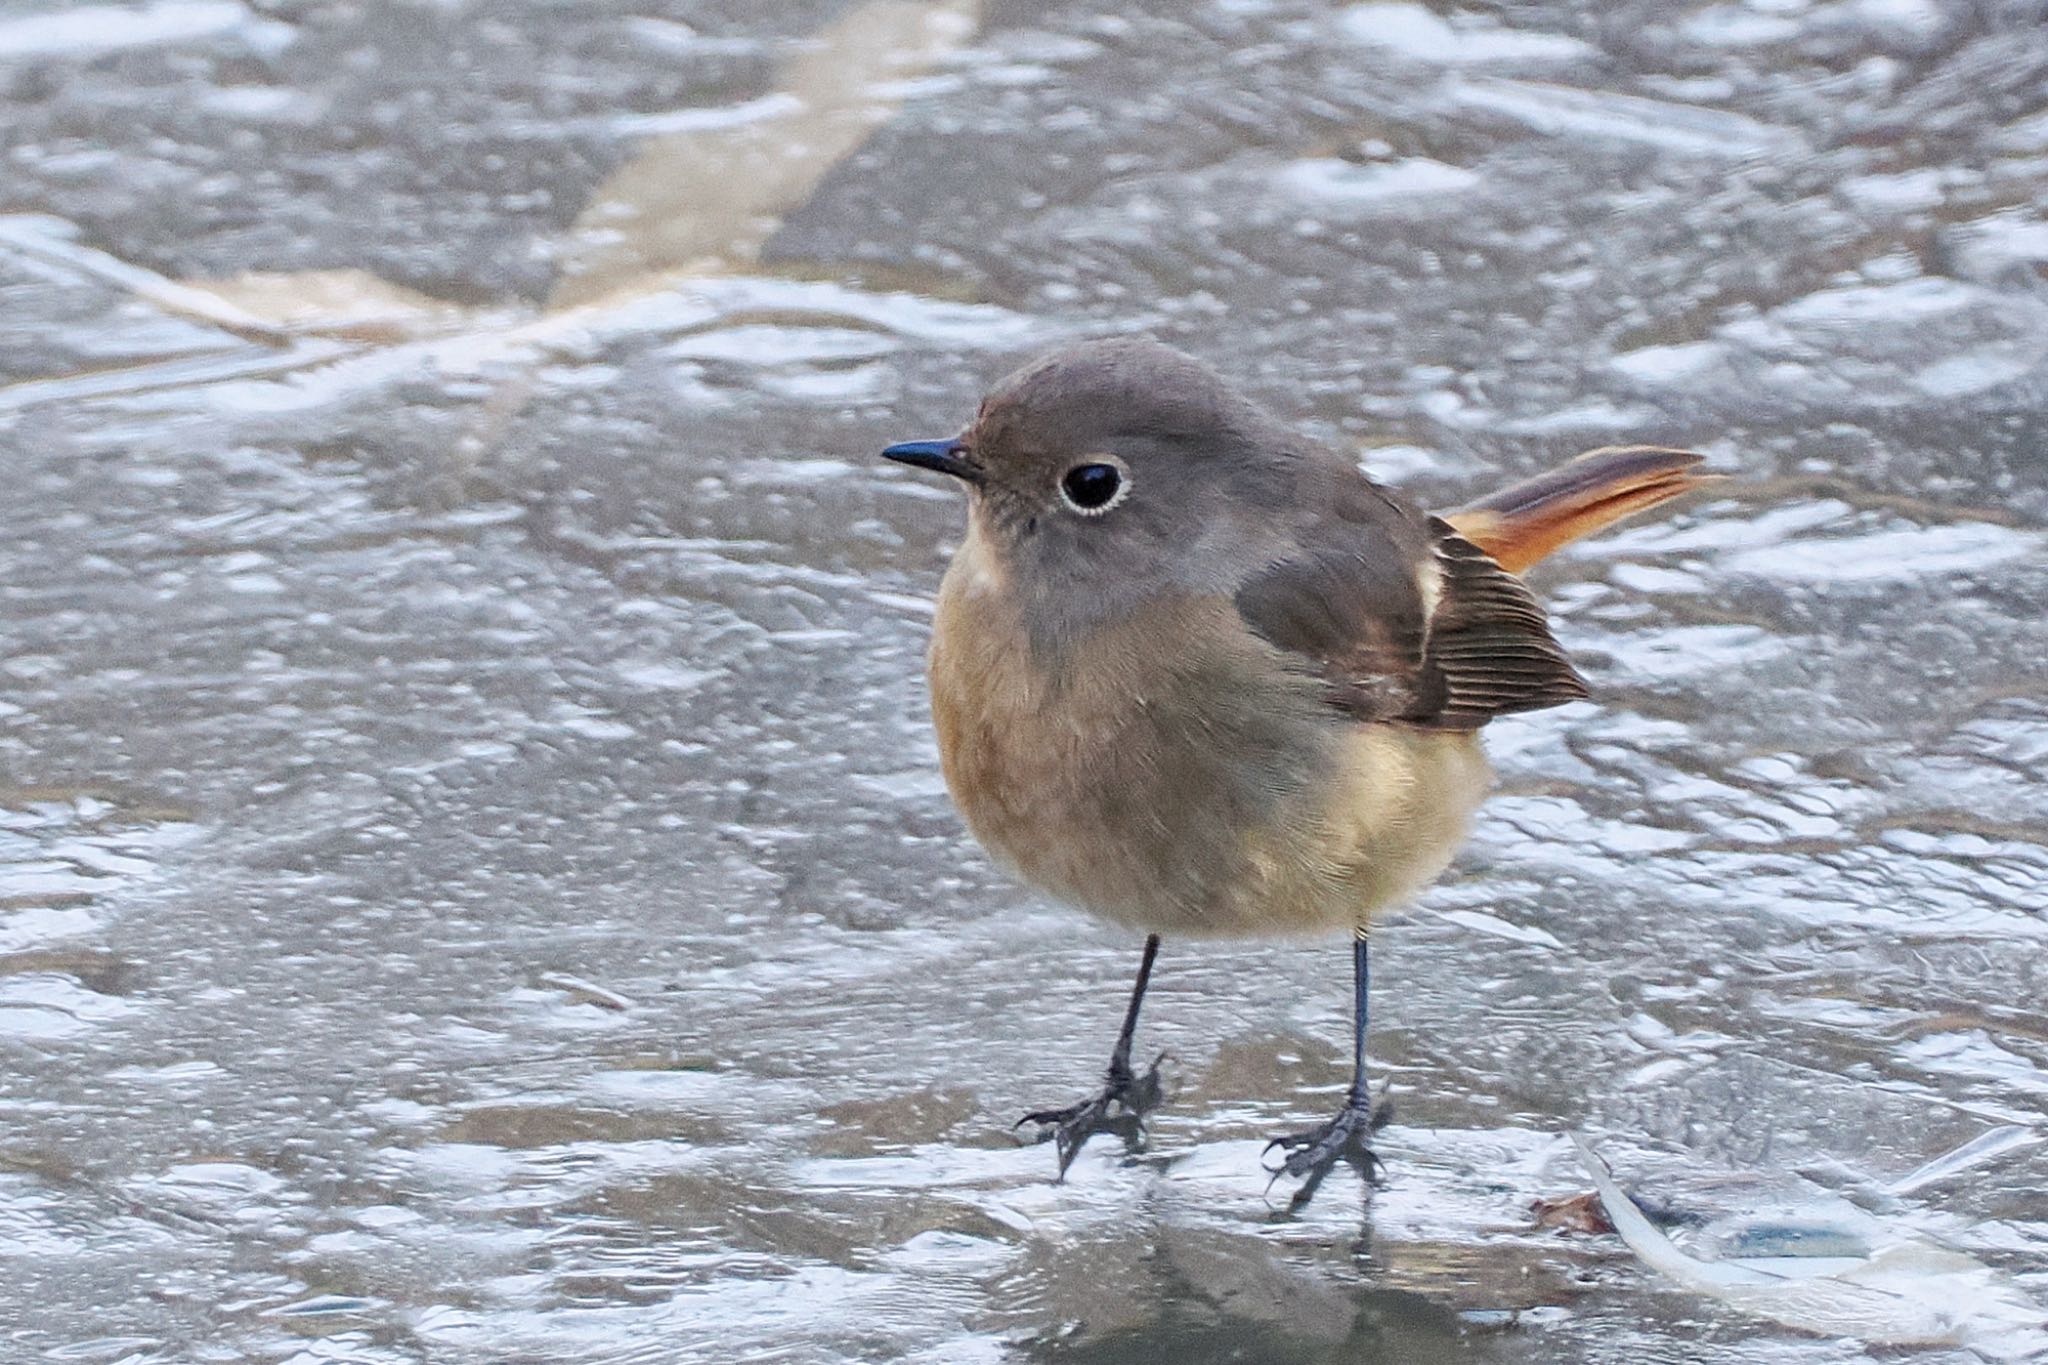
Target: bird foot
(1309, 1156)
(1131, 1097)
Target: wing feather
(1407, 622)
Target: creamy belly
(1181, 788)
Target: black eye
(1092, 487)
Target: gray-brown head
(1116, 468)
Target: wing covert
(1407, 622)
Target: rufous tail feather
(1525, 522)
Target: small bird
(1196, 674)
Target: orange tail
(1521, 524)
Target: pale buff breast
(1174, 778)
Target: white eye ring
(1075, 485)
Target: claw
(1070, 1128)
(1311, 1155)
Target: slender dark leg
(1348, 1136)
(1132, 1096)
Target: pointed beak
(947, 457)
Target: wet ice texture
(473, 880)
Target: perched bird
(1198, 675)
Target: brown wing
(1407, 622)
(1489, 641)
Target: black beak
(947, 457)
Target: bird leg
(1132, 1096)
(1310, 1155)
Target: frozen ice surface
(474, 884)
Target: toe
(1317, 1158)
(1052, 1118)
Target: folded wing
(1407, 622)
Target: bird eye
(1093, 488)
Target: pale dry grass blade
(342, 303)
(39, 240)
(705, 199)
